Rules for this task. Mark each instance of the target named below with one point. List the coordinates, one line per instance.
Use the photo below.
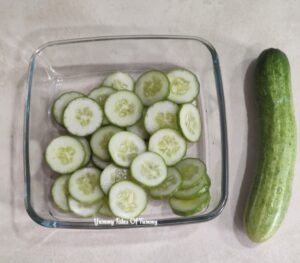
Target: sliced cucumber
(83, 210)
(184, 86)
(111, 175)
(124, 147)
(61, 102)
(161, 115)
(82, 116)
(195, 191)
(59, 192)
(139, 129)
(100, 139)
(99, 163)
(119, 81)
(105, 210)
(149, 169)
(87, 150)
(169, 145)
(192, 171)
(189, 122)
(65, 154)
(84, 185)
(191, 206)
(127, 200)
(123, 108)
(152, 86)
(168, 186)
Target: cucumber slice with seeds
(152, 86)
(127, 200)
(189, 122)
(119, 81)
(124, 147)
(190, 207)
(169, 145)
(60, 104)
(192, 171)
(111, 175)
(184, 86)
(65, 154)
(99, 163)
(149, 169)
(100, 139)
(169, 186)
(123, 108)
(84, 185)
(87, 150)
(82, 116)
(139, 129)
(59, 192)
(83, 210)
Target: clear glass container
(81, 64)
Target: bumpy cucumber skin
(271, 192)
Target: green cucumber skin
(269, 197)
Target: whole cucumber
(269, 197)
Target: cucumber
(161, 115)
(98, 162)
(124, 147)
(87, 150)
(269, 197)
(123, 108)
(139, 129)
(169, 145)
(193, 172)
(110, 175)
(119, 81)
(127, 200)
(149, 169)
(99, 141)
(104, 209)
(65, 154)
(60, 104)
(189, 122)
(82, 116)
(184, 86)
(59, 192)
(152, 86)
(191, 206)
(169, 186)
(84, 185)
(83, 210)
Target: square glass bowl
(81, 64)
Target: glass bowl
(81, 64)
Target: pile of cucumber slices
(127, 140)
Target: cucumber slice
(119, 81)
(87, 150)
(168, 186)
(152, 86)
(169, 145)
(82, 116)
(83, 210)
(127, 200)
(139, 129)
(84, 185)
(60, 104)
(184, 86)
(123, 108)
(100, 95)
(65, 154)
(149, 169)
(105, 210)
(161, 115)
(192, 171)
(189, 122)
(124, 147)
(99, 163)
(100, 139)
(59, 192)
(111, 175)
(190, 207)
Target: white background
(239, 30)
